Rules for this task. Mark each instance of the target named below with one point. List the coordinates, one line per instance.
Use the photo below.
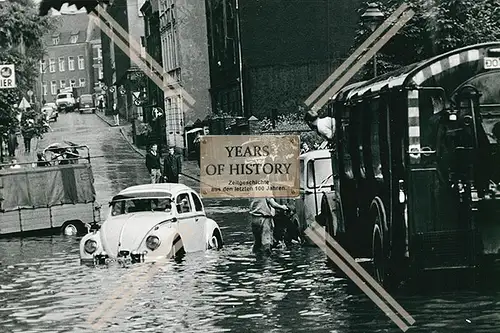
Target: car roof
(165, 188)
(315, 154)
(86, 95)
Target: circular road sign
(30, 93)
(112, 89)
(6, 72)
(104, 87)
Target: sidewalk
(190, 169)
(20, 155)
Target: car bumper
(123, 258)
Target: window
(72, 83)
(82, 83)
(359, 135)
(43, 66)
(55, 40)
(302, 178)
(375, 141)
(62, 84)
(346, 155)
(71, 63)
(198, 206)
(183, 204)
(52, 65)
(101, 74)
(61, 65)
(81, 64)
(169, 44)
(319, 173)
(99, 52)
(44, 88)
(73, 39)
(53, 88)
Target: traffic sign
(24, 104)
(104, 87)
(7, 76)
(29, 93)
(112, 89)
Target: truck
(52, 196)
(416, 168)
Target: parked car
(65, 102)
(148, 222)
(87, 103)
(50, 112)
(316, 180)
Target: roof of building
(71, 24)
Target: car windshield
(134, 205)
(64, 96)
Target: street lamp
(372, 18)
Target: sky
(65, 8)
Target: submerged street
(43, 287)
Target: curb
(131, 144)
(105, 120)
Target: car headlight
(90, 246)
(152, 242)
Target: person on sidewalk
(116, 114)
(153, 164)
(28, 131)
(12, 143)
(197, 143)
(172, 166)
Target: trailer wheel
(72, 228)
(380, 244)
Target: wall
(284, 31)
(195, 73)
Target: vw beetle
(151, 222)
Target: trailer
(56, 196)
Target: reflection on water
(44, 289)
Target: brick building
(68, 60)
(270, 55)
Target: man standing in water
(262, 212)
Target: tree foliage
(21, 44)
(437, 27)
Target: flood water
(43, 287)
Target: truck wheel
(380, 241)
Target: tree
(21, 43)
(437, 27)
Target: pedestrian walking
(153, 164)
(116, 114)
(262, 212)
(305, 148)
(28, 131)
(172, 166)
(12, 143)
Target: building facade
(68, 60)
(119, 71)
(180, 27)
(267, 57)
